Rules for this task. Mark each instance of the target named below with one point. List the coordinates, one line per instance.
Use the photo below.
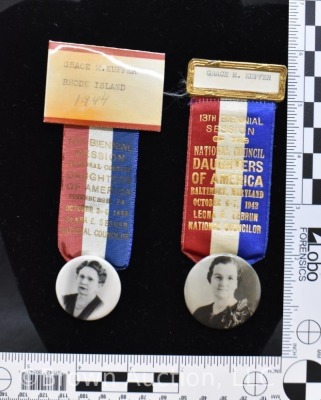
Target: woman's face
(88, 281)
(224, 280)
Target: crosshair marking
(5, 379)
(308, 331)
(255, 383)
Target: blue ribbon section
(260, 131)
(122, 198)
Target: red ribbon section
(204, 116)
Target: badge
(88, 287)
(104, 95)
(228, 169)
(222, 291)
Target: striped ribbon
(228, 178)
(97, 199)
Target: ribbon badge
(228, 172)
(104, 95)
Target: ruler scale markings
(300, 330)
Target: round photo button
(222, 291)
(88, 287)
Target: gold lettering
(110, 145)
(208, 117)
(246, 216)
(203, 226)
(246, 228)
(203, 214)
(249, 152)
(209, 190)
(254, 205)
(199, 202)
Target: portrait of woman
(229, 304)
(91, 276)
(88, 287)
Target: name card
(236, 80)
(104, 87)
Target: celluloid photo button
(88, 287)
(222, 291)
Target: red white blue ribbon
(228, 178)
(98, 188)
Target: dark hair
(224, 260)
(102, 274)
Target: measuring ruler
(296, 375)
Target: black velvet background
(151, 317)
